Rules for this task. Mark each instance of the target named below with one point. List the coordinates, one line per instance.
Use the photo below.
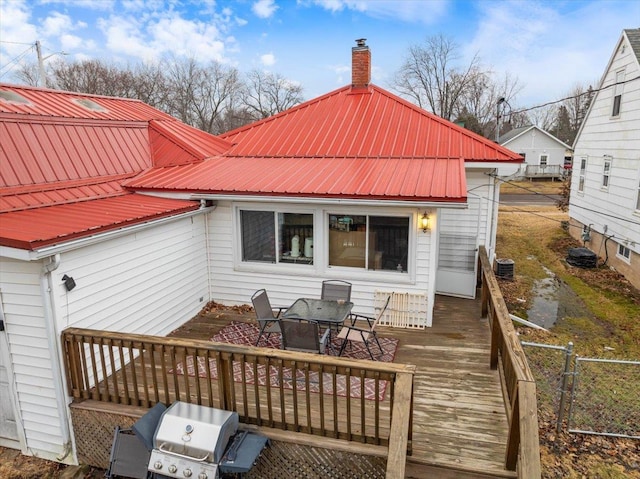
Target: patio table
(326, 312)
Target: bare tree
(200, 95)
(28, 73)
(430, 77)
(480, 101)
(266, 94)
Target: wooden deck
(459, 421)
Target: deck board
(459, 417)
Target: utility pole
(43, 75)
(500, 102)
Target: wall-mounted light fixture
(69, 282)
(424, 222)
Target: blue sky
(549, 45)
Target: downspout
(46, 286)
(203, 205)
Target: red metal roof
(362, 123)
(406, 179)
(62, 104)
(62, 165)
(37, 228)
(350, 143)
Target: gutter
(333, 201)
(49, 251)
(59, 382)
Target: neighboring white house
(115, 216)
(605, 185)
(545, 155)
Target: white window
(583, 169)
(638, 197)
(606, 171)
(276, 237)
(617, 94)
(543, 160)
(624, 253)
(369, 242)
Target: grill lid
(198, 432)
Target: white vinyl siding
(149, 282)
(601, 139)
(30, 356)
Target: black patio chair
(268, 319)
(303, 335)
(335, 289)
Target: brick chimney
(360, 64)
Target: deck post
(400, 422)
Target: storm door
(457, 252)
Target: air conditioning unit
(504, 268)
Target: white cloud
(268, 59)
(56, 24)
(70, 42)
(405, 10)
(125, 38)
(89, 4)
(264, 8)
(548, 49)
(188, 37)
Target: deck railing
(545, 171)
(518, 385)
(359, 401)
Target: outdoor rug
(247, 334)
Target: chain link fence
(605, 398)
(596, 396)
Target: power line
(15, 60)
(555, 199)
(16, 43)
(573, 97)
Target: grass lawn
(533, 237)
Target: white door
(8, 426)
(457, 251)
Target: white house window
(276, 237)
(583, 169)
(617, 94)
(624, 252)
(543, 160)
(606, 171)
(369, 242)
(638, 197)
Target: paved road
(528, 199)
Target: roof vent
(13, 97)
(89, 104)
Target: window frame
(320, 266)
(582, 173)
(410, 253)
(618, 89)
(638, 196)
(278, 264)
(606, 172)
(623, 253)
